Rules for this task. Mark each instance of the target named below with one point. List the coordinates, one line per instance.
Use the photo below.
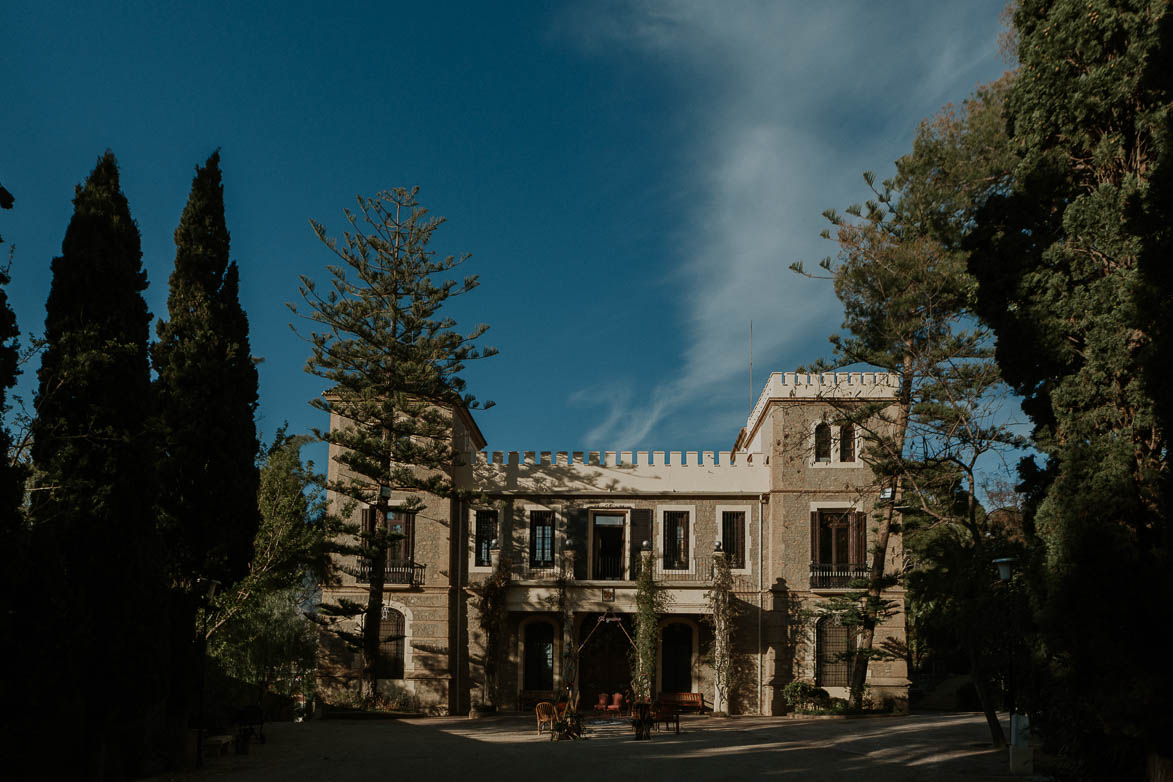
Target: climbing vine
(491, 607)
(722, 613)
(649, 605)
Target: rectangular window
(400, 537)
(834, 537)
(838, 548)
(541, 538)
(847, 443)
(486, 533)
(733, 537)
(676, 540)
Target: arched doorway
(604, 663)
(676, 642)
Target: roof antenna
(751, 367)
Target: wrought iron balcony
(836, 576)
(406, 573)
(542, 570)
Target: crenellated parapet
(825, 385)
(602, 472)
(618, 458)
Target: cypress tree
(206, 391)
(11, 477)
(94, 535)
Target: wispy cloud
(796, 100)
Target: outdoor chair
(616, 703)
(547, 715)
(604, 700)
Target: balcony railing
(607, 567)
(407, 573)
(836, 576)
(537, 571)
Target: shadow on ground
(920, 747)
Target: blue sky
(631, 179)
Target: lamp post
(207, 590)
(1021, 755)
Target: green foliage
(206, 391)
(805, 696)
(569, 726)
(393, 359)
(908, 310)
(292, 541)
(93, 529)
(1072, 264)
(650, 604)
(492, 616)
(722, 614)
(269, 643)
(12, 474)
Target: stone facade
(570, 528)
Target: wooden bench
(684, 701)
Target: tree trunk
(867, 635)
(372, 624)
(979, 684)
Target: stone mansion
(789, 507)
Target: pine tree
(1073, 269)
(91, 505)
(901, 276)
(393, 360)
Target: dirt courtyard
(938, 747)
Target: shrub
(805, 696)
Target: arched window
(822, 443)
(539, 656)
(847, 443)
(832, 642)
(391, 645)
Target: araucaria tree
(907, 299)
(393, 360)
(1074, 276)
(92, 503)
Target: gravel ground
(938, 747)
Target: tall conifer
(11, 477)
(206, 391)
(94, 529)
(393, 359)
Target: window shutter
(859, 536)
(576, 530)
(814, 536)
(368, 521)
(684, 522)
(668, 552)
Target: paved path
(938, 747)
